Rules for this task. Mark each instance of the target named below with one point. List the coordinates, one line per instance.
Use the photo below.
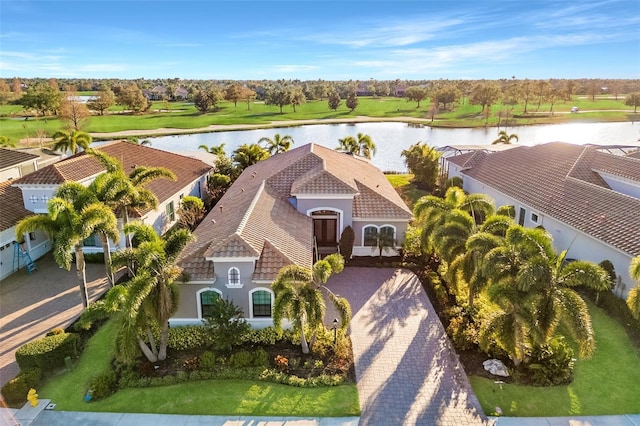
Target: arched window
(206, 299)
(234, 276)
(388, 233)
(370, 236)
(261, 303)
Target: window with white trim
(171, 212)
(534, 218)
(233, 276)
(388, 233)
(207, 300)
(261, 303)
(370, 236)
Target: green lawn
(407, 190)
(207, 397)
(183, 115)
(606, 384)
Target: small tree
(334, 101)
(633, 100)
(347, 239)
(352, 101)
(226, 324)
(191, 212)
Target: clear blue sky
(330, 40)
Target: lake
(392, 138)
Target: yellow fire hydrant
(32, 397)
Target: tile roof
(255, 218)
(12, 206)
(13, 157)
(563, 181)
(82, 166)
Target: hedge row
(48, 352)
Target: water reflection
(392, 138)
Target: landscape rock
(496, 367)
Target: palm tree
(505, 138)
(71, 141)
(348, 144)
(431, 211)
(73, 215)
(633, 300)
(150, 297)
(533, 286)
(299, 297)
(278, 144)
(248, 155)
(135, 140)
(6, 142)
(126, 193)
(217, 150)
(366, 147)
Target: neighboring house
(192, 174)
(14, 164)
(158, 93)
(180, 94)
(274, 215)
(11, 212)
(588, 200)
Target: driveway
(31, 305)
(406, 368)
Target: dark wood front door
(325, 232)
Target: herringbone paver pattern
(407, 370)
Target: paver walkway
(31, 305)
(406, 368)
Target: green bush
(345, 244)
(48, 352)
(207, 361)
(226, 324)
(241, 359)
(260, 358)
(188, 337)
(103, 385)
(266, 336)
(55, 331)
(551, 364)
(94, 257)
(15, 390)
(461, 330)
(271, 375)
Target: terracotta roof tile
(270, 262)
(13, 157)
(11, 206)
(561, 180)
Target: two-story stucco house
(39, 186)
(587, 199)
(281, 211)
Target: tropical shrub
(226, 324)
(48, 352)
(103, 385)
(345, 244)
(551, 364)
(15, 390)
(241, 359)
(462, 330)
(188, 337)
(207, 361)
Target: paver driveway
(407, 370)
(31, 305)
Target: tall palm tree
(150, 297)
(126, 193)
(533, 286)
(299, 297)
(217, 150)
(633, 300)
(248, 155)
(71, 141)
(278, 144)
(73, 215)
(505, 138)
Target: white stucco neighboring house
(38, 187)
(284, 210)
(14, 164)
(587, 199)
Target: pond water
(392, 138)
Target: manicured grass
(409, 192)
(606, 384)
(183, 115)
(207, 397)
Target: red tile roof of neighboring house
(83, 166)
(256, 219)
(13, 157)
(565, 182)
(11, 206)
